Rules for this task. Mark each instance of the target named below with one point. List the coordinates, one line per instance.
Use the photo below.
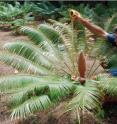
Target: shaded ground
(45, 117)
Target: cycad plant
(45, 10)
(51, 71)
(12, 17)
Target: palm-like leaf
(110, 86)
(111, 22)
(29, 51)
(22, 64)
(32, 105)
(86, 98)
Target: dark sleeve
(111, 38)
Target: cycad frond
(24, 88)
(34, 35)
(110, 22)
(39, 38)
(108, 86)
(55, 88)
(57, 91)
(86, 97)
(17, 81)
(29, 51)
(37, 55)
(32, 105)
(112, 61)
(47, 30)
(69, 38)
(22, 64)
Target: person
(110, 37)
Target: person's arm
(75, 15)
(93, 28)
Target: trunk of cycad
(82, 67)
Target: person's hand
(75, 15)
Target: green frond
(109, 24)
(36, 36)
(16, 81)
(112, 61)
(69, 38)
(37, 55)
(61, 89)
(40, 39)
(102, 48)
(56, 91)
(86, 97)
(26, 92)
(50, 33)
(77, 42)
(65, 33)
(24, 88)
(108, 85)
(22, 64)
(29, 51)
(34, 104)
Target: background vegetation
(52, 65)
